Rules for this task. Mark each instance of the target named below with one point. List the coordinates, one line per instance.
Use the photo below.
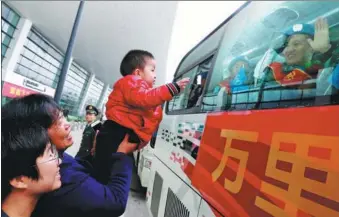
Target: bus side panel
(177, 137)
(206, 210)
(282, 162)
(176, 197)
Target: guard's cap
(92, 110)
(307, 29)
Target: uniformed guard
(87, 145)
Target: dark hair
(66, 112)
(20, 147)
(134, 59)
(32, 109)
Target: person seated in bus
(240, 76)
(30, 168)
(80, 194)
(334, 78)
(306, 50)
(133, 107)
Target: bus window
(191, 96)
(198, 84)
(309, 72)
(285, 58)
(201, 51)
(179, 101)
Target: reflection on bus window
(286, 58)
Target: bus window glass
(283, 57)
(198, 84)
(201, 51)
(192, 95)
(179, 101)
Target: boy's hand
(127, 147)
(183, 82)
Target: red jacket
(136, 105)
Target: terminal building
(35, 35)
(255, 132)
(31, 64)
(33, 49)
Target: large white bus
(256, 132)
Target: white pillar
(15, 47)
(102, 97)
(82, 103)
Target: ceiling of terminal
(107, 30)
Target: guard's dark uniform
(88, 136)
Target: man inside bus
(307, 50)
(239, 77)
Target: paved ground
(136, 206)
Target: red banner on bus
(257, 165)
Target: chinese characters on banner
(13, 91)
(280, 170)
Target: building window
(40, 60)
(105, 99)
(108, 92)
(94, 92)
(9, 22)
(74, 88)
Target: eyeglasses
(55, 156)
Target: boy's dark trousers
(110, 135)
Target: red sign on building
(12, 91)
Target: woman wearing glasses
(80, 194)
(30, 168)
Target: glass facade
(9, 22)
(105, 99)
(94, 92)
(74, 88)
(108, 92)
(40, 60)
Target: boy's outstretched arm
(137, 93)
